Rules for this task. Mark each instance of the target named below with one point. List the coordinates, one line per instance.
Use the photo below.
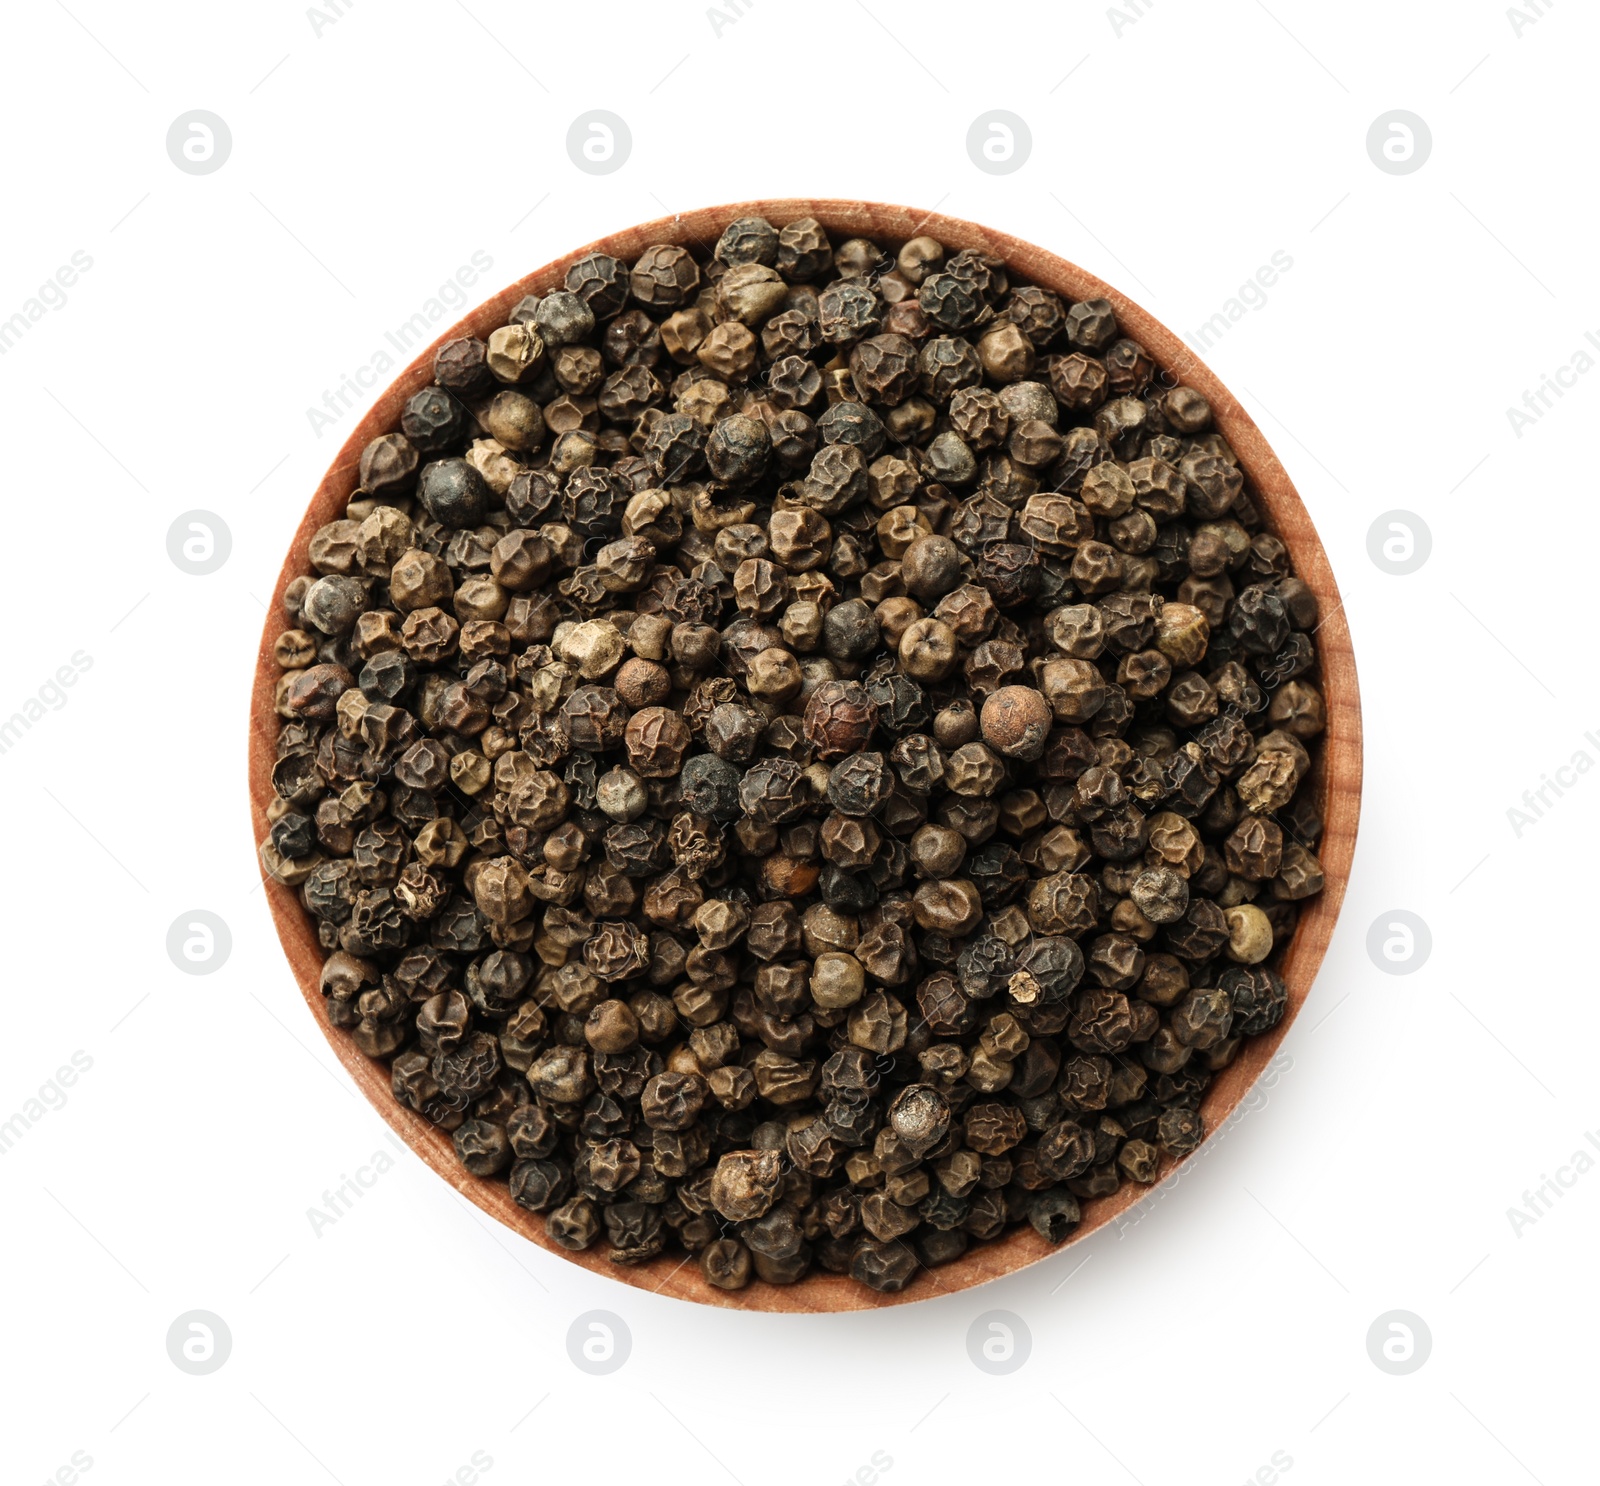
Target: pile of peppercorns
(799, 756)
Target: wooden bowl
(1338, 774)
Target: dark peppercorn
(1091, 325)
(748, 240)
(803, 250)
(432, 419)
(859, 785)
(848, 310)
(462, 364)
(453, 492)
(601, 282)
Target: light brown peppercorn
(642, 683)
(760, 587)
(417, 580)
(578, 371)
(694, 645)
(1182, 634)
(515, 421)
(992, 665)
(927, 650)
(1016, 721)
(774, 676)
(649, 635)
(948, 906)
(593, 648)
(294, 650)
(937, 851)
(1144, 674)
(1006, 353)
(683, 333)
(611, 1027)
(837, 980)
(1034, 444)
(501, 891)
(729, 351)
(382, 538)
(919, 257)
(1269, 783)
(1107, 490)
(746, 1184)
(1249, 934)
(894, 614)
(956, 724)
(515, 352)
(1075, 689)
(899, 527)
(884, 369)
(977, 414)
(1186, 409)
(801, 538)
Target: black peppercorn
(453, 492)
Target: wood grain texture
(1338, 773)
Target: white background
(1174, 151)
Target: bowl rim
(1337, 774)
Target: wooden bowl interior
(1337, 776)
